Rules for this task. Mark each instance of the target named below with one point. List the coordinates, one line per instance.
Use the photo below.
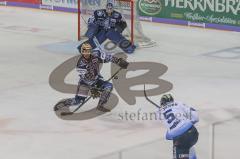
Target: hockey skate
(69, 102)
(63, 103)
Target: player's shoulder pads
(116, 14)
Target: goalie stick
(145, 94)
(95, 40)
(70, 113)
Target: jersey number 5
(169, 116)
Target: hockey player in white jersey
(179, 120)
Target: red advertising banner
(27, 1)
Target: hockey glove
(120, 26)
(118, 29)
(122, 63)
(95, 93)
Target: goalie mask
(86, 50)
(109, 8)
(167, 98)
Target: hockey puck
(116, 77)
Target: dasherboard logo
(150, 7)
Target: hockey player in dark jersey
(108, 24)
(90, 78)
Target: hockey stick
(145, 94)
(70, 113)
(95, 40)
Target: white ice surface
(203, 66)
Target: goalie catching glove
(122, 63)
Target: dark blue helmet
(109, 5)
(166, 98)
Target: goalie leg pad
(127, 47)
(114, 36)
(121, 41)
(101, 37)
(92, 30)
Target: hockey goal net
(127, 8)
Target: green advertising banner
(226, 12)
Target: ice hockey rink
(203, 66)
